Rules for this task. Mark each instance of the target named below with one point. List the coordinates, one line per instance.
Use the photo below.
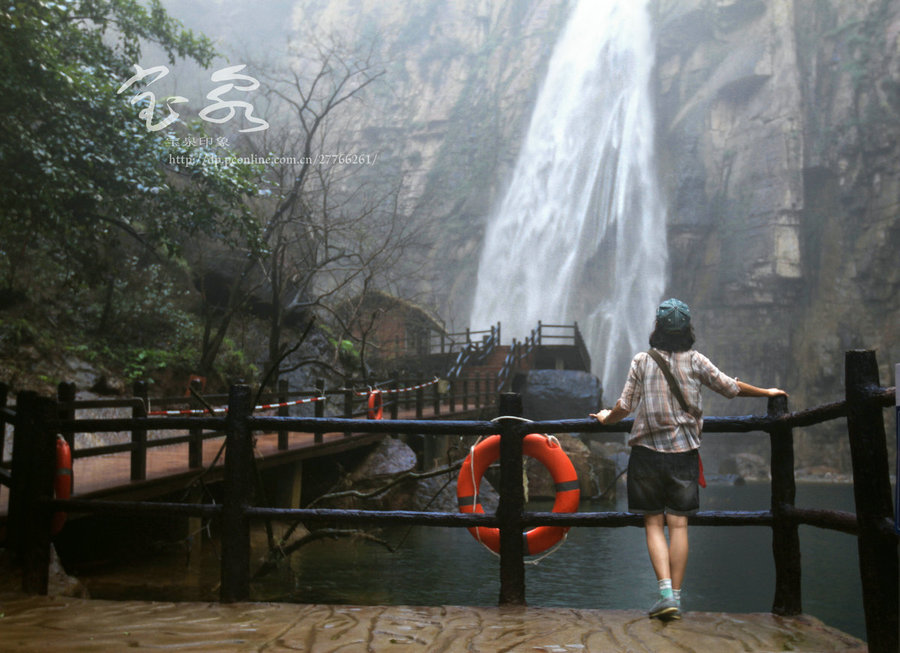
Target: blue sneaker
(665, 608)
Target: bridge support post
(239, 485)
(874, 504)
(290, 484)
(785, 533)
(512, 504)
(194, 531)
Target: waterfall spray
(580, 234)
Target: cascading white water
(580, 234)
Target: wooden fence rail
(37, 422)
(428, 398)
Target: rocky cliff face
(460, 82)
(779, 152)
(778, 132)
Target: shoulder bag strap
(673, 384)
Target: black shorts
(663, 482)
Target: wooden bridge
(139, 465)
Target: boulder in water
(560, 394)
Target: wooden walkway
(109, 476)
(47, 624)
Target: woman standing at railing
(663, 387)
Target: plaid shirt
(659, 422)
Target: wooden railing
(475, 352)
(544, 335)
(453, 343)
(409, 397)
(37, 422)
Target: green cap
(673, 315)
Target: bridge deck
(49, 624)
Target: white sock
(676, 594)
(665, 588)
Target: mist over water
(580, 234)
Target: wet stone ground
(59, 623)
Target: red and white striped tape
(224, 409)
(283, 404)
(365, 393)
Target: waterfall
(580, 234)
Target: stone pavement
(48, 624)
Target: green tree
(85, 182)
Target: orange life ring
(62, 482)
(376, 405)
(552, 456)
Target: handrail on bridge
(541, 337)
(37, 423)
(423, 398)
(449, 343)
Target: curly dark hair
(667, 341)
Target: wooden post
(436, 399)
(451, 395)
(23, 435)
(139, 436)
(4, 397)
(511, 506)
(420, 398)
(319, 409)
(283, 411)
(238, 493)
(872, 492)
(785, 534)
(465, 397)
(395, 398)
(38, 488)
(348, 407)
(65, 393)
(195, 443)
(290, 486)
(477, 391)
